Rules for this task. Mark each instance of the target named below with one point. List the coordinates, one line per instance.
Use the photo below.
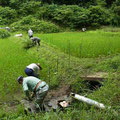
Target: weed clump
(27, 43)
(4, 34)
(111, 64)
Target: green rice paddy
(86, 44)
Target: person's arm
(26, 90)
(27, 93)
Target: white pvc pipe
(89, 101)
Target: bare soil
(60, 91)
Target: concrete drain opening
(93, 85)
(94, 81)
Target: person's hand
(30, 99)
(37, 75)
(32, 95)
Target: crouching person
(33, 69)
(35, 40)
(35, 85)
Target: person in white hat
(33, 69)
(30, 33)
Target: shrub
(3, 21)
(29, 8)
(71, 16)
(8, 15)
(74, 16)
(4, 33)
(35, 25)
(98, 16)
(115, 19)
(65, 15)
(46, 12)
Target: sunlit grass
(87, 44)
(13, 60)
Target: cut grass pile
(85, 44)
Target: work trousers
(30, 72)
(40, 95)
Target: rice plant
(85, 44)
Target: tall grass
(87, 44)
(13, 60)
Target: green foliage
(115, 19)
(68, 16)
(4, 2)
(115, 63)
(35, 24)
(4, 33)
(11, 114)
(82, 3)
(101, 3)
(110, 2)
(79, 86)
(7, 15)
(98, 16)
(27, 43)
(29, 8)
(115, 2)
(46, 11)
(109, 92)
(73, 16)
(16, 3)
(110, 64)
(3, 21)
(85, 44)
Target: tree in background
(7, 15)
(4, 2)
(115, 11)
(71, 2)
(109, 2)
